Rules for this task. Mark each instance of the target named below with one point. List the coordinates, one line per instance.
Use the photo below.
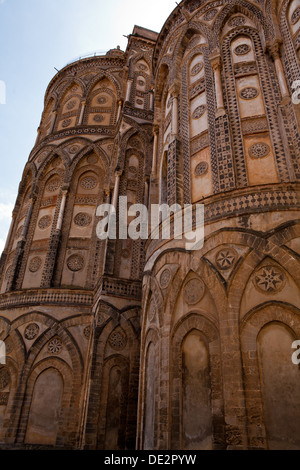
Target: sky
(37, 37)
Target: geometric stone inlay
(89, 182)
(249, 93)
(226, 258)
(101, 100)
(165, 278)
(237, 21)
(83, 219)
(98, 118)
(45, 222)
(31, 331)
(201, 168)
(242, 49)
(71, 104)
(75, 263)
(194, 291)
(55, 346)
(295, 16)
(66, 123)
(53, 185)
(199, 111)
(269, 279)
(210, 14)
(260, 150)
(117, 340)
(197, 69)
(87, 332)
(35, 264)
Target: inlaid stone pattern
(117, 340)
(99, 118)
(66, 123)
(269, 279)
(199, 111)
(87, 332)
(295, 16)
(75, 263)
(31, 331)
(88, 182)
(226, 258)
(45, 222)
(55, 346)
(197, 69)
(201, 169)
(165, 278)
(82, 219)
(237, 21)
(71, 104)
(249, 93)
(194, 291)
(35, 264)
(210, 14)
(8, 273)
(4, 378)
(242, 49)
(259, 150)
(53, 185)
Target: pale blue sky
(35, 37)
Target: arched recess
(151, 386)
(114, 404)
(293, 20)
(141, 84)
(101, 104)
(196, 386)
(8, 386)
(69, 107)
(42, 221)
(272, 381)
(48, 119)
(252, 103)
(80, 249)
(47, 401)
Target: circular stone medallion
(194, 291)
(226, 258)
(82, 219)
(45, 222)
(55, 346)
(260, 150)
(201, 169)
(249, 93)
(31, 331)
(197, 69)
(242, 49)
(75, 263)
(165, 279)
(118, 340)
(199, 111)
(269, 279)
(89, 182)
(35, 264)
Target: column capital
(215, 60)
(174, 89)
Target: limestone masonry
(123, 344)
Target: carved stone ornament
(31, 331)
(194, 291)
(82, 219)
(259, 150)
(165, 278)
(66, 123)
(45, 222)
(295, 16)
(117, 340)
(197, 68)
(201, 169)
(89, 182)
(242, 49)
(35, 264)
(99, 118)
(53, 185)
(269, 279)
(226, 258)
(55, 346)
(210, 14)
(199, 111)
(237, 21)
(75, 263)
(249, 93)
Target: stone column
(275, 51)
(128, 92)
(116, 189)
(174, 91)
(83, 104)
(216, 64)
(119, 109)
(61, 209)
(151, 104)
(155, 143)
